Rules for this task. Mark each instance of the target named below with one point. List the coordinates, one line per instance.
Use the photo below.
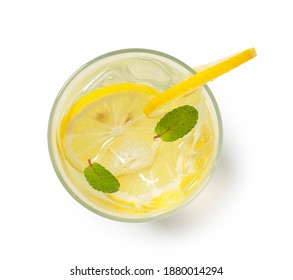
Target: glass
(199, 151)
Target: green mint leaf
(176, 123)
(100, 178)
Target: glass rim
(185, 201)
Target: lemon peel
(208, 73)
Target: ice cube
(126, 154)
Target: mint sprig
(100, 178)
(176, 123)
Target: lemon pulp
(108, 126)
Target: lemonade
(98, 117)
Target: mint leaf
(100, 178)
(176, 123)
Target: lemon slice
(209, 73)
(108, 126)
(105, 124)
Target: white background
(242, 221)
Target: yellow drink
(99, 116)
